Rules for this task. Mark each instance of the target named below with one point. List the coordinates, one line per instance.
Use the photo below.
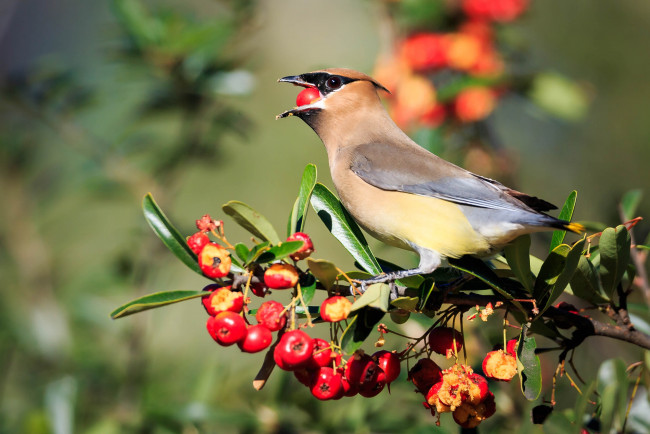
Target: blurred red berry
(425, 374)
(474, 103)
(494, 10)
(425, 51)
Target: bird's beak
(297, 80)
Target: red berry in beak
(307, 96)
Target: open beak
(297, 80)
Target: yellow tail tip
(575, 227)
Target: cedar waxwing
(403, 194)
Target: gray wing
(420, 172)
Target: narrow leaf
(630, 203)
(252, 221)
(301, 206)
(280, 251)
(570, 266)
(325, 271)
(168, 233)
(530, 369)
(614, 257)
(153, 301)
(342, 226)
(478, 269)
(517, 254)
(256, 252)
(360, 325)
(565, 214)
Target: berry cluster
(458, 389)
(319, 364)
(467, 51)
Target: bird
(399, 192)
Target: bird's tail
(573, 227)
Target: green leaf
(529, 367)
(406, 303)
(630, 203)
(342, 226)
(614, 257)
(325, 271)
(376, 295)
(168, 233)
(585, 282)
(517, 254)
(256, 252)
(559, 96)
(242, 251)
(153, 301)
(580, 407)
(612, 387)
(556, 273)
(360, 324)
(280, 251)
(307, 287)
(252, 221)
(565, 214)
(641, 247)
(478, 269)
(301, 206)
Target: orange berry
(214, 260)
(336, 308)
(499, 366)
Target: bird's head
(333, 93)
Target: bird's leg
(429, 261)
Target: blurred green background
(98, 108)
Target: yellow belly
(401, 219)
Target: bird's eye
(333, 82)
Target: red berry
(322, 355)
(389, 363)
(223, 300)
(307, 96)
(499, 365)
(441, 340)
(257, 338)
(294, 350)
(425, 374)
(307, 248)
(272, 315)
(374, 387)
(304, 375)
(197, 241)
(281, 276)
(482, 391)
(424, 51)
(227, 328)
(474, 103)
(361, 370)
(327, 384)
(511, 347)
(336, 308)
(214, 260)
(349, 389)
(259, 289)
